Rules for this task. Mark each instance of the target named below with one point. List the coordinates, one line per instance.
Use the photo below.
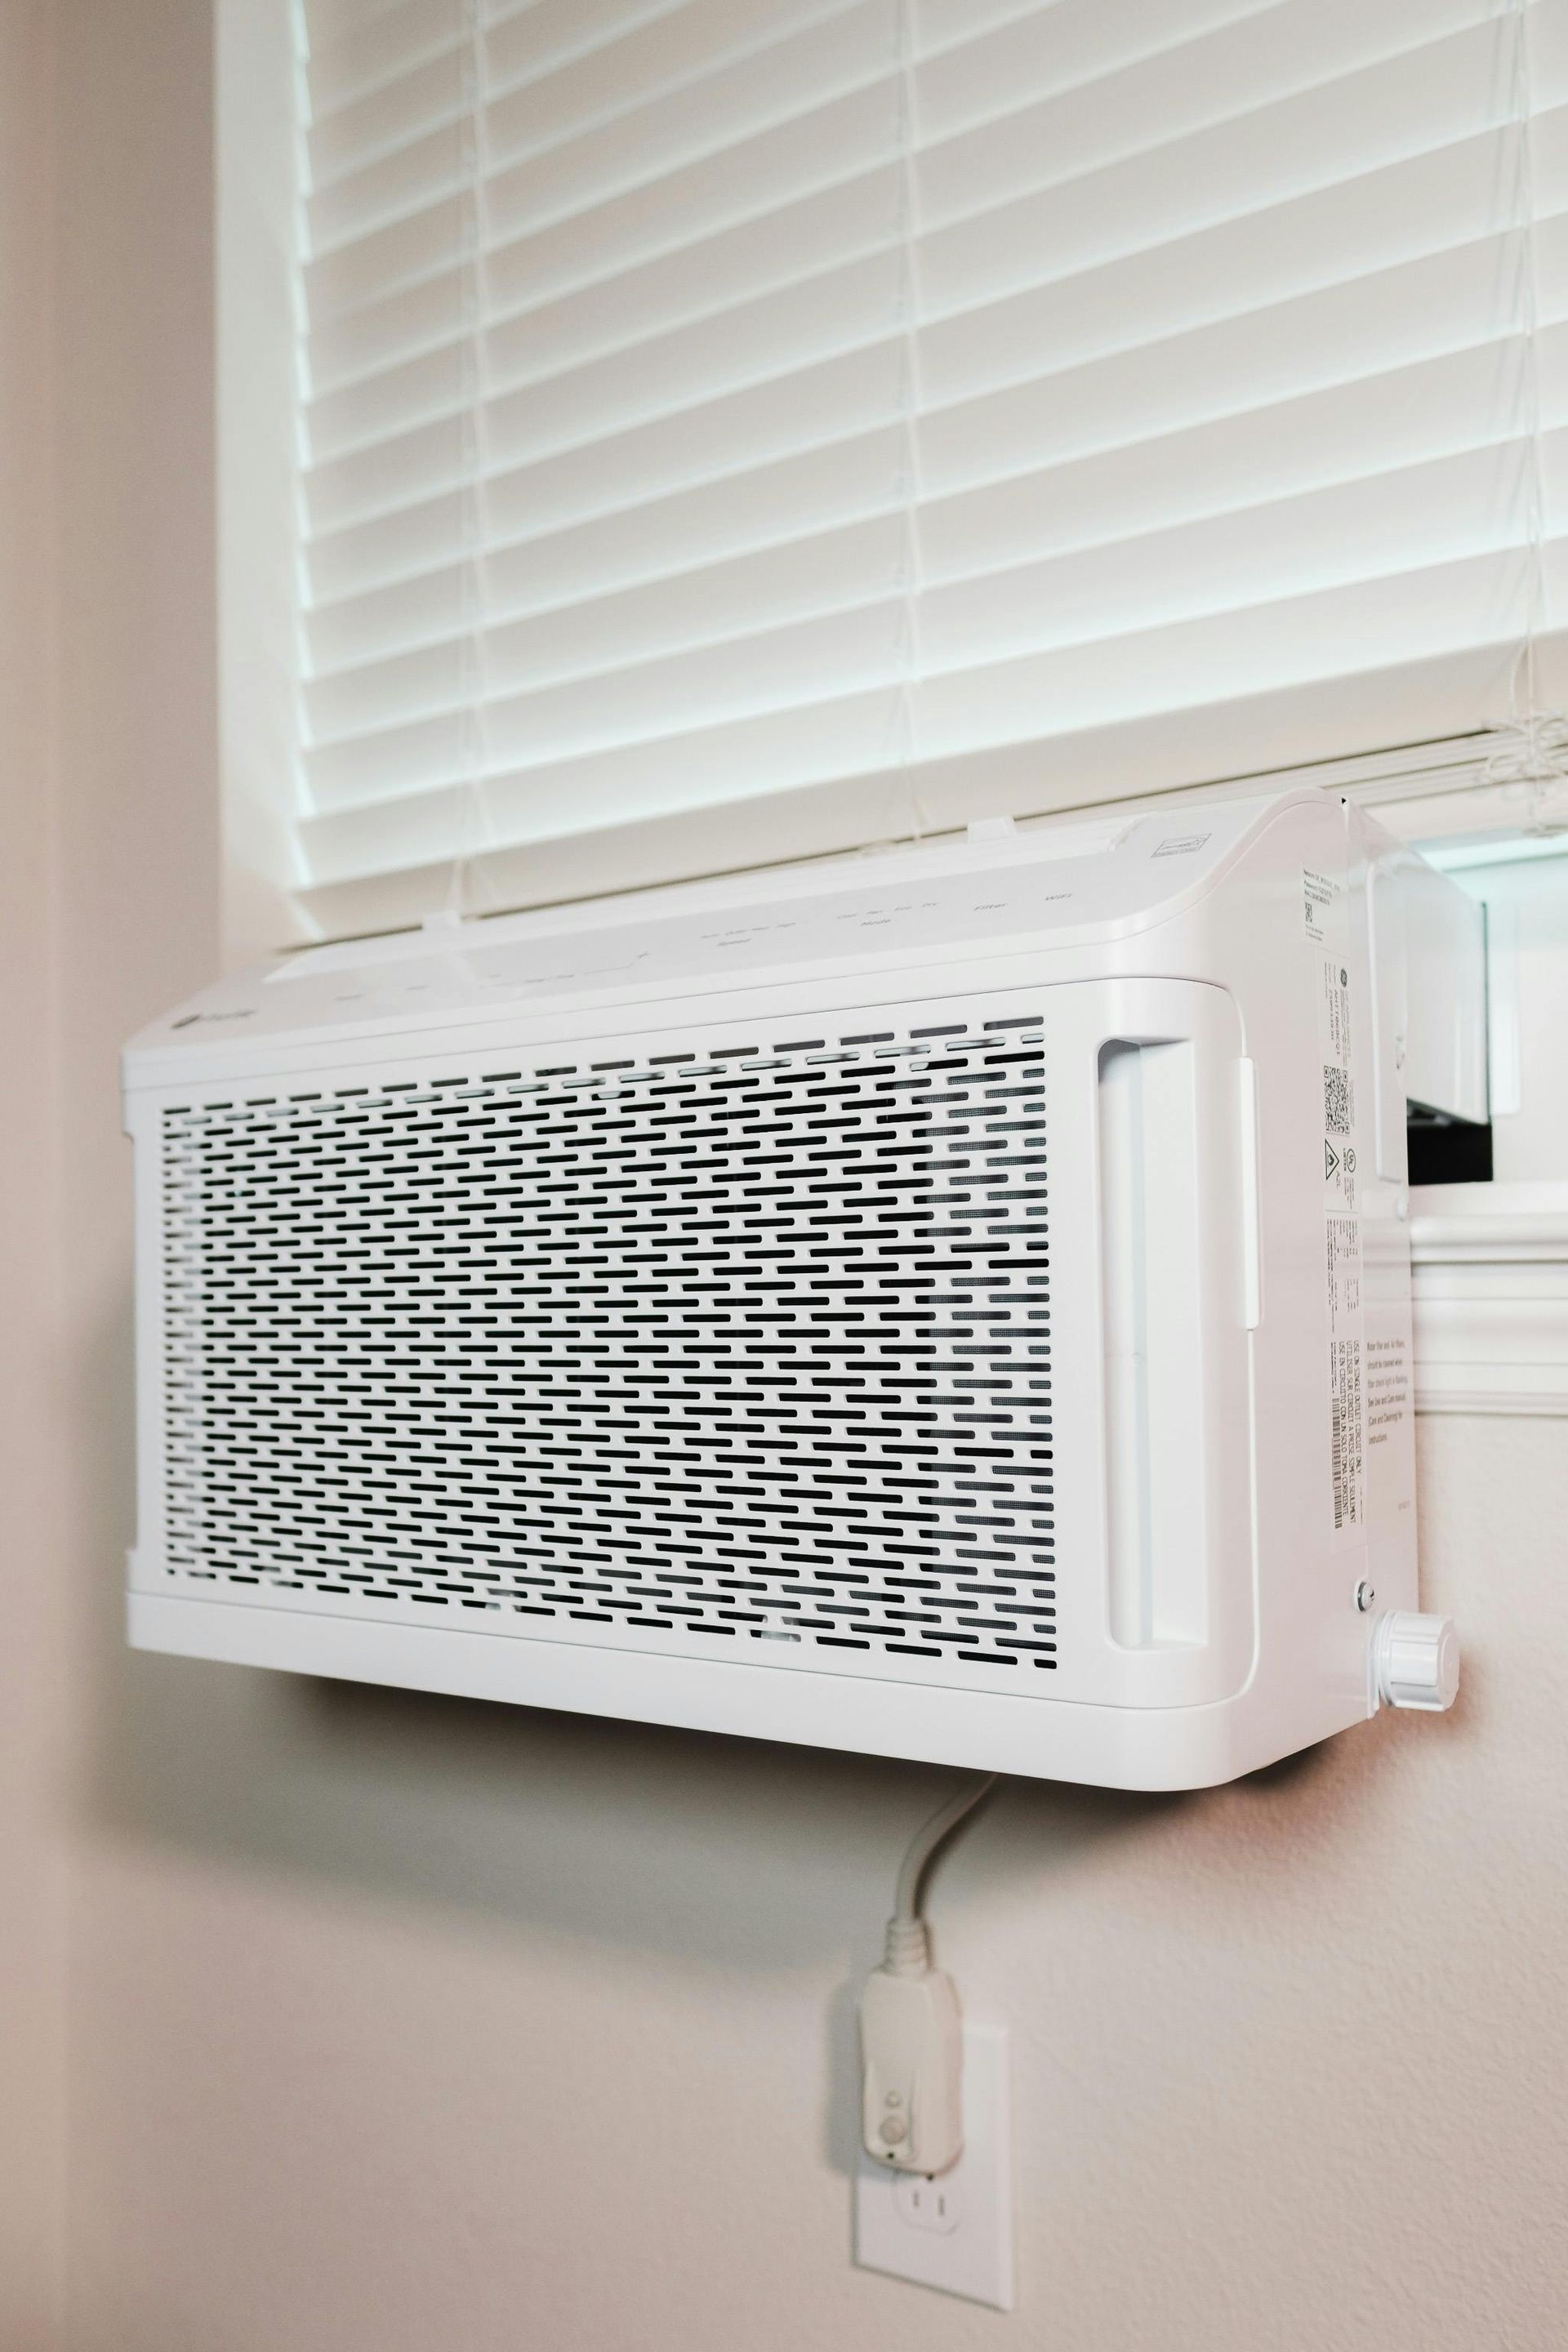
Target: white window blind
(739, 428)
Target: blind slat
(1231, 465)
(1189, 368)
(356, 276)
(709, 400)
(1406, 213)
(1432, 514)
(1404, 219)
(1438, 98)
(630, 238)
(382, 50)
(391, 117)
(1138, 759)
(981, 72)
(654, 49)
(1082, 203)
(800, 499)
(749, 431)
(1217, 369)
(1268, 62)
(1250, 651)
(568, 38)
(1064, 237)
(725, 107)
(415, 175)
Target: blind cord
(1534, 748)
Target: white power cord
(911, 2032)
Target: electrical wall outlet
(953, 2229)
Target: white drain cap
(1415, 1660)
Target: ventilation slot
(724, 1354)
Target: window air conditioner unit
(952, 1304)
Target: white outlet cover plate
(956, 2232)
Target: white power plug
(912, 2047)
(954, 2232)
(911, 2036)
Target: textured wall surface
(401, 2025)
(33, 1716)
(405, 2023)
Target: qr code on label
(1338, 1100)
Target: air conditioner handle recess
(1251, 1198)
(1152, 1304)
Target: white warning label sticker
(1317, 900)
(1387, 1386)
(1389, 1461)
(1326, 921)
(1334, 1016)
(1343, 1259)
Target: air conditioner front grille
(741, 1352)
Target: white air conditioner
(954, 1304)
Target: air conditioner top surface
(989, 893)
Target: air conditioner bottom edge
(1144, 1749)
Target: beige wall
(409, 2024)
(32, 1713)
(136, 831)
(400, 2025)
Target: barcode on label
(1338, 1100)
(1338, 1463)
(1345, 1365)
